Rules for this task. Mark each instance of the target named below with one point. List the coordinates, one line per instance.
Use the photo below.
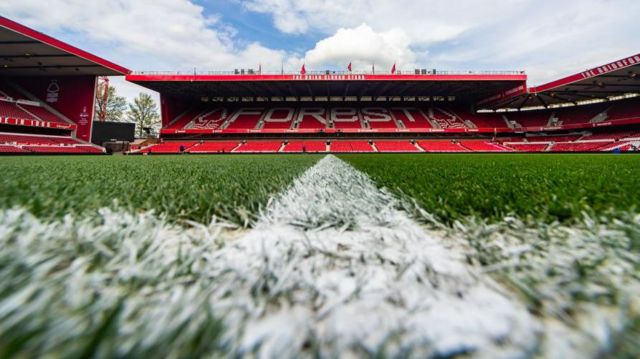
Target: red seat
(11, 149)
(442, 146)
(214, 147)
(168, 147)
(528, 147)
(411, 118)
(395, 146)
(41, 113)
(305, 146)
(578, 146)
(351, 146)
(260, 146)
(484, 146)
(11, 109)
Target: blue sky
(257, 27)
(547, 38)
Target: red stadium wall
(74, 97)
(171, 108)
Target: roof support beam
(35, 56)
(561, 98)
(525, 99)
(44, 67)
(21, 42)
(543, 102)
(509, 102)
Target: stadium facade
(47, 97)
(47, 93)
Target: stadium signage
(617, 65)
(217, 118)
(33, 123)
(329, 77)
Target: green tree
(144, 113)
(116, 106)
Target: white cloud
(545, 37)
(129, 90)
(173, 33)
(362, 46)
(162, 35)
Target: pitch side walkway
(333, 267)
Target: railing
(252, 72)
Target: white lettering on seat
(269, 117)
(407, 113)
(319, 114)
(344, 115)
(245, 112)
(376, 114)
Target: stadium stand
(214, 147)
(612, 135)
(312, 119)
(12, 149)
(189, 119)
(485, 120)
(454, 112)
(278, 119)
(351, 121)
(528, 147)
(63, 150)
(529, 118)
(379, 118)
(260, 146)
(446, 118)
(395, 146)
(24, 111)
(389, 119)
(305, 146)
(441, 146)
(168, 147)
(40, 113)
(483, 146)
(47, 93)
(586, 142)
(581, 114)
(10, 109)
(351, 146)
(412, 118)
(623, 110)
(37, 140)
(578, 146)
(553, 138)
(245, 119)
(19, 143)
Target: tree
(144, 113)
(116, 106)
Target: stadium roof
(26, 52)
(472, 86)
(604, 82)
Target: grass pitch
(562, 232)
(181, 187)
(538, 187)
(451, 187)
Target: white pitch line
(334, 268)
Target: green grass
(181, 187)
(136, 286)
(540, 187)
